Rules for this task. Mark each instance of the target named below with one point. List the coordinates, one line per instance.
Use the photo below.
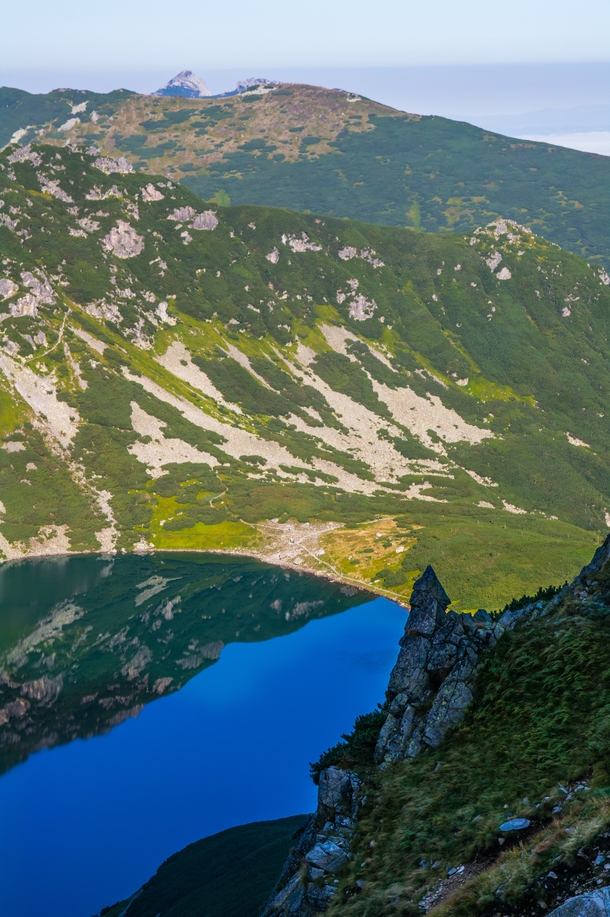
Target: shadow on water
(86, 642)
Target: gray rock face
(322, 849)
(593, 904)
(429, 691)
(429, 687)
(515, 824)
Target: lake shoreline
(261, 556)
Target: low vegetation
(229, 873)
(193, 377)
(327, 151)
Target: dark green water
(85, 642)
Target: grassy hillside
(534, 745)
(184, 376)
(229, 873)
(331, 152)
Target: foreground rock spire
(428, 692)
(429, 685)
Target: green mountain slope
(533, 745)
(229, 873)
(180, 376)
(330, 152)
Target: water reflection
(86, 642)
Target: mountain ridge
(334, 152)
(342, 397)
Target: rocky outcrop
(430, 685)
(322, 848)
(429, 691)
(593, 904)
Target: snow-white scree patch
(96, 193)
(504, 274)
(41, 395)
(13, 446)
(52, 187)
(337, 337)
(419, 415)
(51, 539)
(123, 240)
(241, 442)
(161, 312)
(349, 252)
(161, 451)
(516, 510)
(181, 214)
(577, 442)
(150, 193)
(25, 153)
(40, 292)
(362, 440)
(93, 343)
(7, 287)
(414, 492)
(603, 276)
(206, 220)
(273, 256)
(362, 308)
(301, 245)
(493, 261)
(177, 359)
(485, 505)
(78, 109)
(107, 165)
(69, 124)
(88, 224)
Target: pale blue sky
(200, 34)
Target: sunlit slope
(187, 376)
(335, 153)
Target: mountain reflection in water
(86, 642)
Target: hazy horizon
(568, 104)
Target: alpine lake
(149, 701)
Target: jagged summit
(429, 585)
(185, 84)
(189, 86)
(254, 85)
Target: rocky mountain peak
(429, 603)
(185, 84)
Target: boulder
(515, 824)
(593, 904)
(327, 856)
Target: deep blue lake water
(85, 823)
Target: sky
(132, 34)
